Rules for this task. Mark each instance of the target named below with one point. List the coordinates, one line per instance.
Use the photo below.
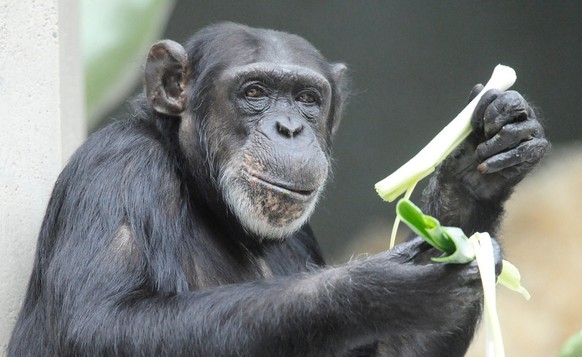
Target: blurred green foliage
(572, 347)
(116, 35)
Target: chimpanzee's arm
(312, 314)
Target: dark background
(412, 64)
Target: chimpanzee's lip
(281, 187)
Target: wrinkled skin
(183, 230)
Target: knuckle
(483, 152)
(491, 112)
(489, 97)
(539, 147)
(511, 101)
(515, 97)
(508, 131)
(533, 130)
(537, 128)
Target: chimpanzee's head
(261, 107)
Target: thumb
(476, 90)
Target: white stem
(424, 163)
(486, 263)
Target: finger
(498, 255)
(478, 114)
(476, 90)
(509, 137)
(471, 270)
(506, 108)
(407, 251)
(528, 154)
(414, 246)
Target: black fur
(139, 254)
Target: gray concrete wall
(41, 117)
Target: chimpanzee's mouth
(284, 188)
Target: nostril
(282, 129)
(289, 130)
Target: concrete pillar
(42, 122)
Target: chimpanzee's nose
(289, 127)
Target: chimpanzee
(183, 231)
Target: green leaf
(425, 226)
(450, 240)
(463, 252)
(511, 279)
(572, 347)
(116, 36)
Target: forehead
(283, 48)
(278, 55)
(230, 45)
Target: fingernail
(482, 167)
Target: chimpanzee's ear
(338, 71)
(166, 76)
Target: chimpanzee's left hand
(506, 143)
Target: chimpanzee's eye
(306, 98)
(254, 91)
